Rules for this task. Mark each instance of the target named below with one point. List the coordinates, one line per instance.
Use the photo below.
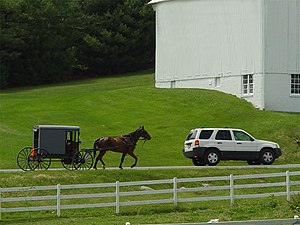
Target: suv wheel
(212, 157)
(198, 162)
(267, 157)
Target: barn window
(247, 84)
(295, 84)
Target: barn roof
(157, 1)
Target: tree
(11, 41)
(120, 38)
(49, 51)
(45, 41)
(37, 42)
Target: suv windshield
(191, 135)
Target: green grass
(119, 104)
(266, 208)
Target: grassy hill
(119, 104)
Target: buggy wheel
(83, 160)
(39, 159)
(22, 159)
(68, 163)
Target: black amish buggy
(61, 143)
(52, 142)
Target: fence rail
(175, 182)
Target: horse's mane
(131, 133)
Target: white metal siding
(282, 40)
(278, 94)
(207, 39)
(282, 53)
(294, 37)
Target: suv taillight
(197, 142)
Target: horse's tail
(95, 146)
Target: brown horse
(124, 144)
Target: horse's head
(143, 133)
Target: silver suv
(210, 145)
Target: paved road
(287, 166)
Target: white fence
(174, 183)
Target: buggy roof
(56, 127)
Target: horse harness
(127, 140)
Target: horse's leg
(122, 159)
(99, 157)
(133, 156)
(96, 161)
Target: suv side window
(191, 135)
(223, 135)
(241, 136)
(205, 134)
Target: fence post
(117, 197)
(175, 191)
(58, 200)
(288, 186)
(231, 189)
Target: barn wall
(282, 36)
(207, 39)
(282, 53)
(200, 41)
(278, 95)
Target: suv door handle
(239, 143)
(219, 143)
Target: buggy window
(72, 136)
(36, 138)
(205, 134)
(69, 136)
(191, 135)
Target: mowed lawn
(120, 104)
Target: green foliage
(295, 203)
(11, 41)
(37, 47)
(119, 39)
(271, 202)
(46, 41)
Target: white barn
(249, 48)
